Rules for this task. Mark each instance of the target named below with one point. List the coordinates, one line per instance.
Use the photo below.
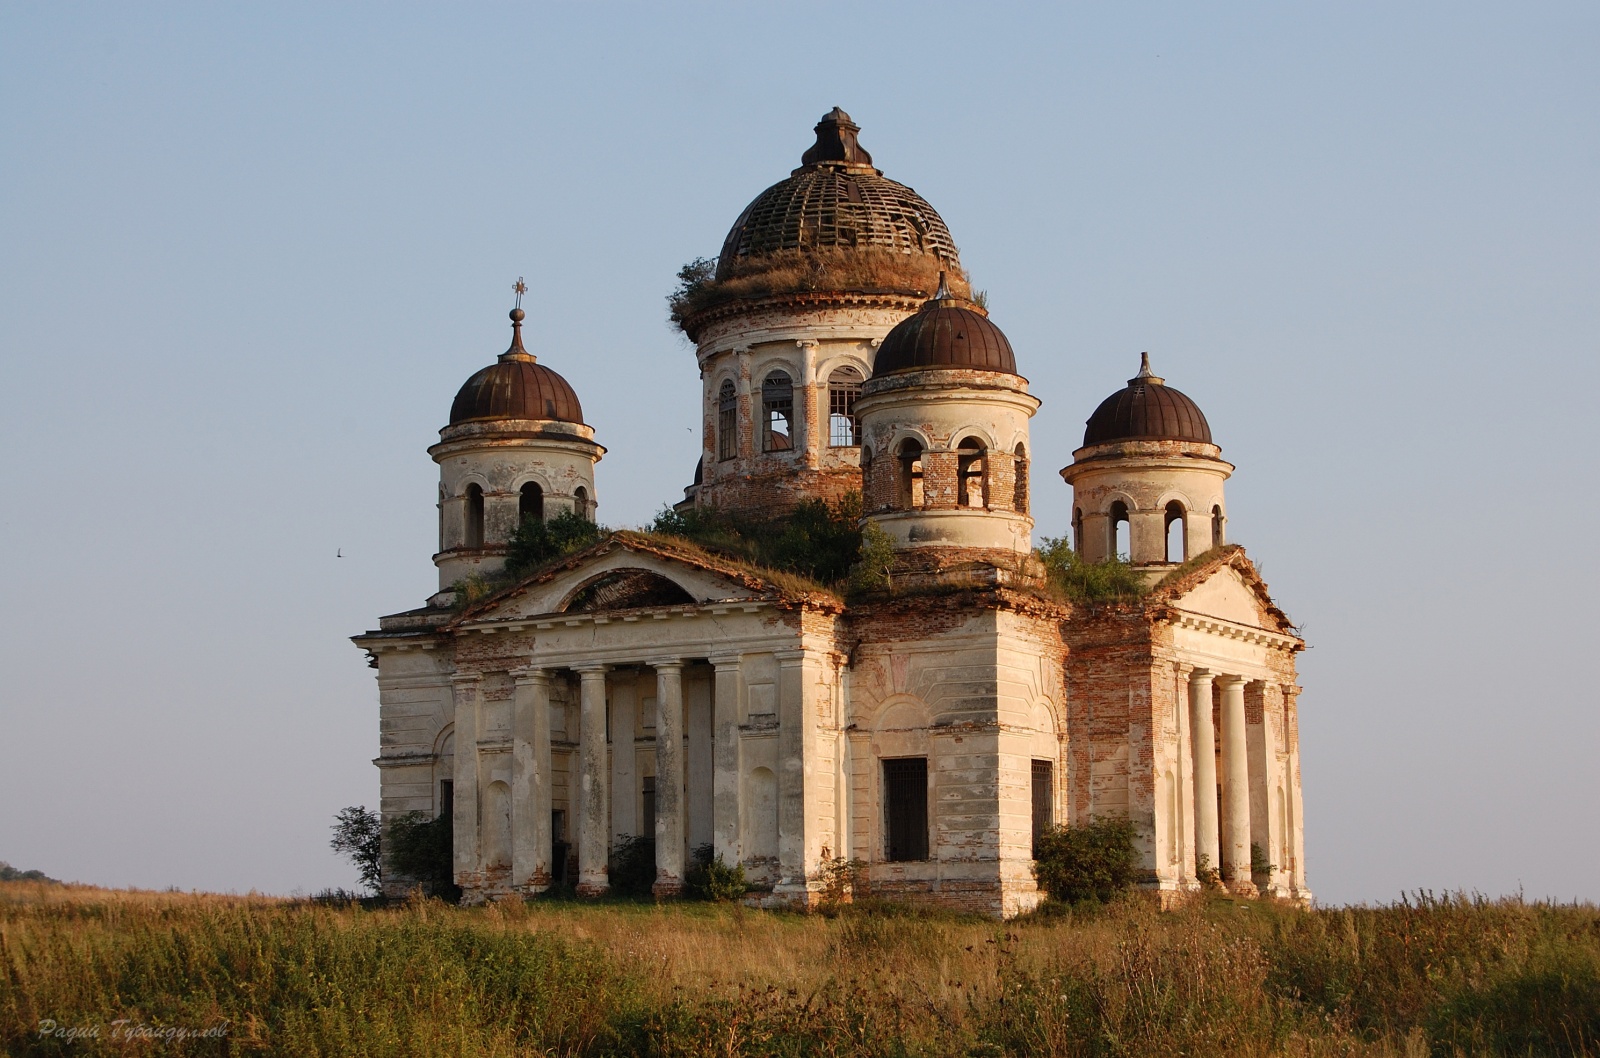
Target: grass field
(1423, 976)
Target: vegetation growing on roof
(1088, 582)
(537, 542)
(817, 540)
(807, 271)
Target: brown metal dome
(1147, 410)
(516, 386)
(837, 200)
(946, 332)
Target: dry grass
(816, 271)
(1439, 977)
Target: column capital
(1228, 680)
(728, 660)
(462, 679)
(1199, 674)
(589, 672)
(667, 664)
(789, 657)
(531, 674)
(806, 343)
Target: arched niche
(625, 589)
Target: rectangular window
(1043, 800)
(727, 438)
(842, 429)
(447, 799)
(905, 787)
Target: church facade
(928, 727)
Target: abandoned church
(929, 723)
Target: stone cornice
(1233, 630)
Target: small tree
(871, 571)
(358, 836)
(1095, 861)
(1110, 581)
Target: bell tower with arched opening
(1147, 483)
(787, 322)
(516, 448)
(945, 449)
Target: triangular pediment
(627, 571)
(1224, 584)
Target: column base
(1243, 887)
(667, 888)
(593, 889)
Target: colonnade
(1257, 799)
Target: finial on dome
(517, 352)
(943, 293)
(836, 142)
(1145, 375)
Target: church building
(929, 728)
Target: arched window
(474, 516)
(580, 502)
(727, 420)
(530, 503)
(777, 413)
(1019, 487)
(844, 386)
(1216, 527)
(1120, 547)
(441, 517)
(1077, 530)
(1177, 532)
(910, 475)
(972, 486)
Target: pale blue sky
(248, 253)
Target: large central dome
(836, 200)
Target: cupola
(516, 448)
(945, 449)
(1147, 485)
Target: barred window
(727, 420)
(777, 413)
(844, 386)
(1043, 800)
(910, 475)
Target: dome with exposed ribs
(837, 200)
(516, 386)
(1147, 410)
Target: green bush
(423, 850)
(876, 557)
(633, 865)
(709, 878)
(537, 542)
(1094, 861)
(816, 539)
(1088, 582)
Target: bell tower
(1147, 483)
(516, 448)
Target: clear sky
(249, 252)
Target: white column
(530, 782)
(1202, 733)
(669, 778)
(1186, 807)
(1296, 821)
(697, 763)
(623, 692)
(796, 760)
(809, 434)
(465, 689)
(594, 808)
(726, 779)
(1235, 786)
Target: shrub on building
(632, 869)
(815, 539)
(538, 541)
(422, 850)
(1093, 861)
(710, 878)
(1088, 582)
